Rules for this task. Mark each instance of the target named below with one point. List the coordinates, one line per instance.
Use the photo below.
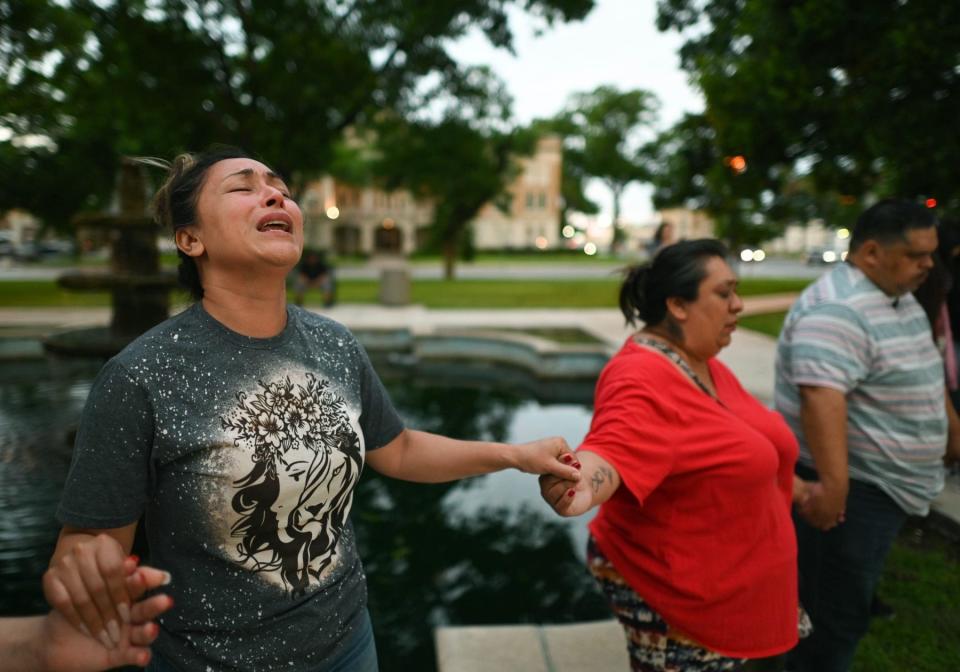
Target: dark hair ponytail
(175, 203)
(676, 271)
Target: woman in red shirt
(693, 543)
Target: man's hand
(823, 508)
(952, 456)
(801, 491)
(548, 456)
(65, 649)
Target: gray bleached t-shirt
(241, 454)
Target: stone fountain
(139, 288)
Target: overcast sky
(617, 44)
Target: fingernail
(567, 458)
(576, 464)
(166, 579)
(85, 630)
(124, 610)
(114, 631)
(135, 558)
(571, 493)
(105, 639)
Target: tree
(86, 81)
(460, 162)
(603, 130)
(856, 100)
(572, 177)
(692, 171)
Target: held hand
(548, 456)
(567, 498)
(68, 650)
(88, 587)
(801, 492)
(952, 456)
(822, 509)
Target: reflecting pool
(482, 551)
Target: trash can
(394, 287)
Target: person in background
(861, 384)
(949, 249)
(664, 235)
(52, 644)
(314, 272)
(693, 544)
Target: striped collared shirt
(846, 334)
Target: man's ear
(677, 308)
(868, 255)
(187, 242)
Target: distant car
(821, 257)
(46, 249)
(752, 254)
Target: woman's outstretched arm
(431, 458)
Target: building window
(529, 201)
(543, 201)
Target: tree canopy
(460, 160)
(85, 81)
(849, 99)
(603, 132)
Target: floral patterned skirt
(653, 645)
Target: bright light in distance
(829, 256)
(843, 255)
(759, 255)
(333, 212)
(568, 231)
(388, 223)
(541, 243)
(590, 249)
(931, 203)
(737, 164)
(843, 234)
(746, 255)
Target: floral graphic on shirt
(306, 460)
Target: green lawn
(578, 293)
(765, 323)
(922, 582)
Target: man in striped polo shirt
(860, 381)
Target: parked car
(7, 248)
(752, 254)
(45, 249)
(820, 256)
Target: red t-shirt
(700, 527)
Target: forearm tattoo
(600, 476)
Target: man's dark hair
(889, 220)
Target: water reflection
(39, 403)
(485, 550)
